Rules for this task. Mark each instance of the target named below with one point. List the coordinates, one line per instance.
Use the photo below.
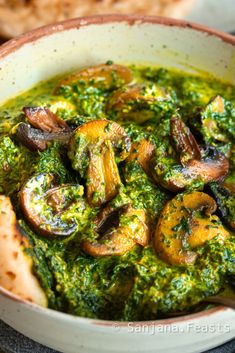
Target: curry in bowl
(118, 194)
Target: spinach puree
(163, 108)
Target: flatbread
(19, 16)
(16, 267)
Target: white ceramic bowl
(58, 48)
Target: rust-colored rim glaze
(15, 44)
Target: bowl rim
(16, 43)
(109, 323)
(31, 36)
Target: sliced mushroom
(186, 145)
(48, 207)
(205, 171)
(16, 266)
(43, 118)
(142, 152)
(30, 137)
(175, 177)
(224, 194)
(118, 231)
(214, 167)
(137, 102)
(104, 76)
(94, 150)
(35, 139)
(186, 222)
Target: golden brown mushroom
(184, 141)
(142, 152)
(45, 205)
(43, 118)
(118, 231)
(104, 76)
(135, 102)
(47, 127)
(16, 267)
(95, 149)
(186, 222)
(193, 167)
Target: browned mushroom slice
(142, 152)
(35, 139)
(118, 231)
(43, 118)
(94, 150)
(48, 207)
(186, 222)
(178, 178)
(103, 177)
(184, 141)
(104, 76)
(137, 102)
(29, 137)
(211, 168)
(16, 267)
(193, 167)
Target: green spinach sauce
(137, 285)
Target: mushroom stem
(103, 180)
(122, 229)
(43, 118)
(95, 149)
(35, 139)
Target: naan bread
(16, 267)
(19, 16)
